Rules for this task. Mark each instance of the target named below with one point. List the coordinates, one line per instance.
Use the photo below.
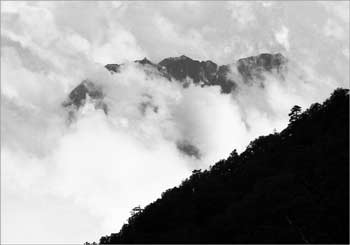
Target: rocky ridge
(184, 69)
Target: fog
(73, 181)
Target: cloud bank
(72, 182)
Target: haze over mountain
(293, 200)
(186, 70)
(81, 145)
(250, 71)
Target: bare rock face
(180, 69)
(144, 61)
(208, 73)
(79, 95)
(188, 149)
(253, 67)
(203, 73)
(113, 67)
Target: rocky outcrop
(208, 73)
(254, 67)
(183, 69)
(86, 90)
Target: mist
(71, 181)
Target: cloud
(339, 10)
(242, 12)
(332, 29)
(79, 180)
(105, 53)
(282, 37)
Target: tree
(136, 210)
(234, 154)
(288, 187)
(294, 113)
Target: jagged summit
(144, 61)
(252, 66)
(208, 73)
(203, 73)
(177, 58)
(79, 95)
(184, 57)
(113, 67)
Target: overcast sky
(65, 183)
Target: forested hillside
(287, 187)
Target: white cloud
(242, 12)
(333, 29)
(339, 9)
(80, 181)
(10, 7)
(346, 52)
(120, 47)
(267, 4)
(282, 37)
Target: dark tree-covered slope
(288, 187)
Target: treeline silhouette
(288, 187)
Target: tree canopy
(287, 187)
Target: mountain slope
(288, 187)
(203, 73)
(208, 73)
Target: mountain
(203, 73)
(78, 95)
(288, 187)
(77, 98)
(253, 67)
(208, 73)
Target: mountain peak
(208, 73)
(78, 96)
(175, 59)
(252, 66)
(144, 61)
(184, 57)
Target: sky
(71, 182)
